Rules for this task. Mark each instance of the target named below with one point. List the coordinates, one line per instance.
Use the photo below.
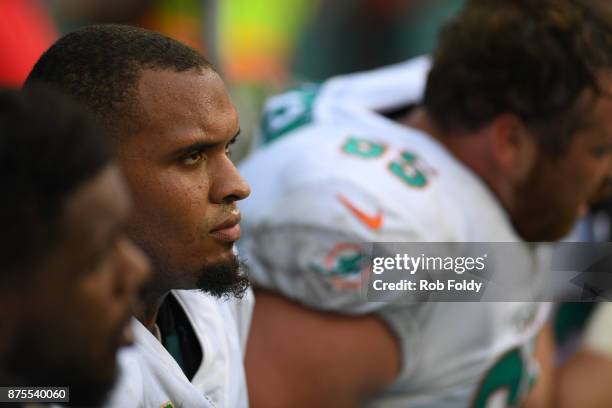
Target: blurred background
(259, 46)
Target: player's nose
(229, 186)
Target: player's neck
(150, 310)
(464, 146)
(419, 119)
(471, 148)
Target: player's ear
(514, 147)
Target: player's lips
(229, 230)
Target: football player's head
(535, 76)
(68, 274)
(172, 124)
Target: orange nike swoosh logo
(372, 222)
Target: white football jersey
(336, 175)
(150, 377)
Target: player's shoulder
(377, 187)
(379, 89)
(339, 98)
(221, 325)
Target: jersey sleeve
(314, 245)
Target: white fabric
(294, 221)
(598, 334)
(151, 377)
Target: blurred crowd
(260, 47)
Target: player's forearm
(297, 357)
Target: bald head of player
(172, 124)
(68, 274)
(520, 92)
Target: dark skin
(183, 183)
(73, 313)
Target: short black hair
(530, 58)
(100, 66)
(48, 148)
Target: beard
(541, 214)
(31, 362)
(224, 279)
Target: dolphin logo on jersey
(345, 265)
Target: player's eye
(193, 159)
